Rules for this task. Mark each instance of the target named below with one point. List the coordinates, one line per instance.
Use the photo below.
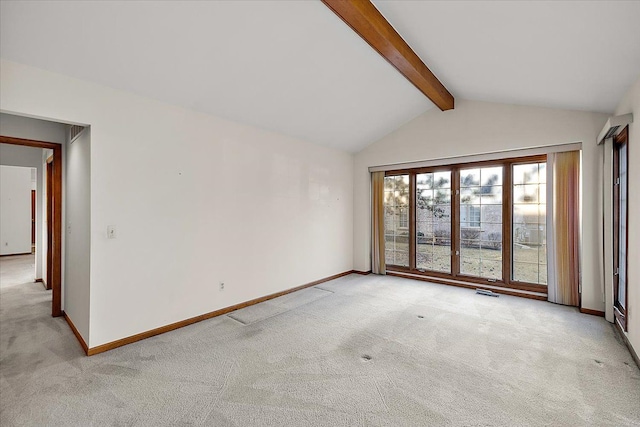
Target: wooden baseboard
(161, 330)
(43, 283)
(23, 253)
(496, 289)
(364, 273)
(634, 355)
(592, 312)
(76, 333)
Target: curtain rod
(494, 155)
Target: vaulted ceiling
(294, 67)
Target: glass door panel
(433, 221)
(622, 231)
(481, 222)
(529, 223)
(396, 220)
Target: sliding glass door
(529, 223)
(396, 220)
(483, 222)
(620, 224)
(433, 221)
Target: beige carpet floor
(17, 270)
(357, 351)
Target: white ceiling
(291, 67)
(296, 68)
(581, 55)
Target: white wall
(39, 130)
(78, 231)
(15, 210)
(196, 200)
(631, 104)
(475, 127)
(31, 128)
(16, 155)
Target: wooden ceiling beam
(363, 17)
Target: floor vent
(487, 293)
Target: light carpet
(371, 351)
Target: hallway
(17, 270)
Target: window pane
(525, 272)
(470, 195)
(470, 266)
(542, 172)
(396, 219)
(481, 222)
(433, 221)
(442, 263)
(529, 173)
(491, 269)
(469, 178)
(388, 256)
(491, 176)
(424, 181)
(442, 179)
(525, 193)
(401, 258)
(491, 195)
(492, 214)
(529, 236)
(622, 236)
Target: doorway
(620, 226)
(33, 220)
(49, 221)
(54, 217)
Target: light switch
(111, 231)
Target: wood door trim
(56, 279)
(592, 312)
(28, 142)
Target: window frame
(507, 257)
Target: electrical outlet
(222, 286)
